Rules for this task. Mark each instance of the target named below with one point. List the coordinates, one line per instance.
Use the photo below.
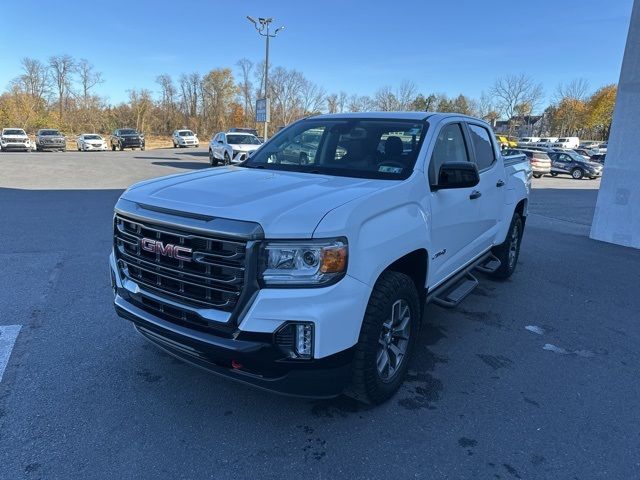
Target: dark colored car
(568, 162)
(126, 138)
(50, 139)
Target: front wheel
(537, 175)
(142, 148)
(212, 161)
(554, 174)
(121, 147)
(387, 336)
(509, 250)
(577, 173)
(227, 159)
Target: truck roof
(415, 116)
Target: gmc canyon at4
(310, 277)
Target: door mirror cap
(457, 175)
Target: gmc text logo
(169, 250)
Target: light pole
(262, 26)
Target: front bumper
(51, 145)
(335, 312)
(89, 147)
(16, 146)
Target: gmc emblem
(169, 250)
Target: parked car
(50, 139)
(506, 142)
(184, 138)
(311, 279)
(14, 139)
(525, 141)
(126, 138)
(571, 163)
(601, 148)
(91, 141)
(232, 147)
(252, 131)
(588, 144)
(540, 161)
(546, 141)
(567, 142)
(584, 152)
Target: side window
(450, 146)
(485, 154)
(223, 138)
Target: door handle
(500, 183)
(475, 194)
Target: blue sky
(356, 46)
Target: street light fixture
(262, 26)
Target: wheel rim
(577, 174)
(393, 341)
(513, 245)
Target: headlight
(304, 262)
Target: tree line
(61, 93)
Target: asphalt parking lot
(535, 377)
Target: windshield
(13, 132)
(49, 132)
(185, 133)
(128, 131)
(365, 148)
(92, 137)
(242, 140)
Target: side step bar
(489, 265)
(456, 292)
(458, 287)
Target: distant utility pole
(263, 106)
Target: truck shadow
(185, 164)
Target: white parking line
(8, 335)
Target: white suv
(232, 147)
(14, 139)
(184, 138)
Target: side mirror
(457, 175)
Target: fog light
(296, 339)
(304, 339)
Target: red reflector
(235, 364)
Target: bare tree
(312, 97)
(576, 89)
(141, 103)
(61, 68)
(342, 101)
(246, 87)
(332, 103)
(167, 101)
(406, 94)
(189, 93)
(34, 79)
(89, 78)
(512, 91)
(285, 87)
(386, 99)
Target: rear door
(488, 195)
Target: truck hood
(285, 204)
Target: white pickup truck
(310, 278)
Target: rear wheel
(509, 251)
(387, 337)
(554, 174)
(577, 173)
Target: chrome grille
(214, 278)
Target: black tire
(554, 174)
(227, 159)
(537, 175)
(121, 147)
(368, 383)
(212, 161)
(142, 148)
(508, 252)
(174, 145)
(577, 173)
(113, 147)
